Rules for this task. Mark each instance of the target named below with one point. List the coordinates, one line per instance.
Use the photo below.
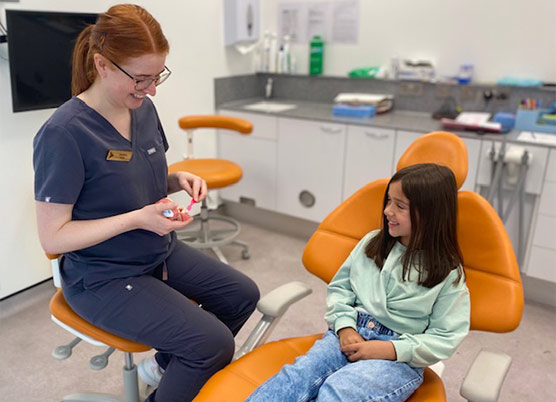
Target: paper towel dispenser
(241, 22)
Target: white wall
(500, 37)
(197, 56)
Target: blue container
(528, 120)
(353, 111)
(507, 120)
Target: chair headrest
(216, 121)
(439, 147)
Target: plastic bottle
(316, 55)
(266, 52)
(273, 53)
(280, 60)
(286, 61)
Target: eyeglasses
(143, 84)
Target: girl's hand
(365, 350)
(151, 217)
(195, 186)
(349, 336)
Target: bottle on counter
(316, 55)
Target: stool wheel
(245, 254)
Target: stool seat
(217, 173)
(60, 309)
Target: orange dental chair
(491, 270)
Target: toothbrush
(190, 205)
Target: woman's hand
(365, 350)
(193, 185)
(151, 218)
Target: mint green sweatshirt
(432, 322)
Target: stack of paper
(382, 102)
(473, 122)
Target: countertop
(395, 119)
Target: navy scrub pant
(193, 343)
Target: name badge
(120, 156)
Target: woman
(100, 168)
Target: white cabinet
(310, 167)
(542, 253)
(369, 156)
(403, 141)
(256, 154)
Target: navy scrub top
(72, 166)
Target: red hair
(124, 31)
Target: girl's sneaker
(149, 371)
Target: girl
(100, 168)
(397, 304)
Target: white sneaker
(149, 371)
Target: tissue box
(354, 110)
(528, 120)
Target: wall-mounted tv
(40, 46)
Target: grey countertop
(395, 119)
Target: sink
(270, 107)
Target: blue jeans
(324, 374)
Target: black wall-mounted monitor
(40, 46)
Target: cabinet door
(256, 155)
(369, 156)
(403, 141)
(310, 167)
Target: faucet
(268, 89)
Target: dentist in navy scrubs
(100, 168)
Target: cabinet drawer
(369, 156)
(257, 159)
(551, 169)
(545, 232)
(541, 264)
(310, 168)
(547, 205)
(263, 126)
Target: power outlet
(443, 91)
(410, 88)
(468, 93)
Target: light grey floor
(28, 373)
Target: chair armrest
(275, 303)
(272, 306)
(484, 379)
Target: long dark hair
(124, 31)
(433, 204)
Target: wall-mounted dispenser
(241, 22)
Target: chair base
(198, 235)
(131, 388)
(93, 397)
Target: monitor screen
(40, 46)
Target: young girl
(397, 304)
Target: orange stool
(217, 173)
(64, 316)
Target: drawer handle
(378, 136)
(331, 130)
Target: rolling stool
(64, 316)
(217, 173)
